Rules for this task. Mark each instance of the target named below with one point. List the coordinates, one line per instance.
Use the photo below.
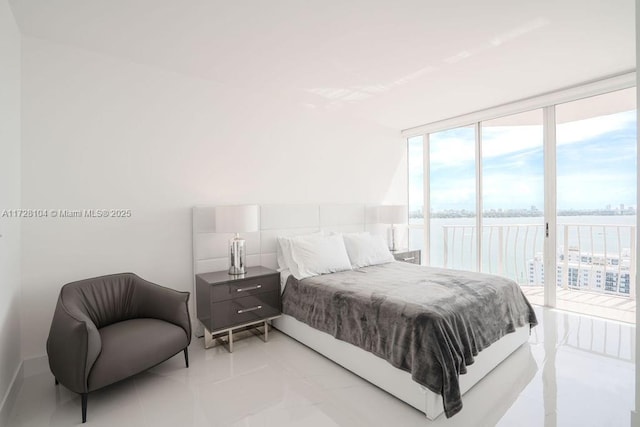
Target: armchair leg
(84, 406)
(186, 356)
(56, 380)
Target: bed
(395, 312)
(386, 369)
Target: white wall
(10, 336)
(101, 132)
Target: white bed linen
(284, 275)
(395, 381)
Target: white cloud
(589, 189)
(501, 140)
(449, 148)
(595, 190)
(510, 191)
(453, 194)
(577, 131)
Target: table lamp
(237, 219)
(392, 214)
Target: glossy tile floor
(575, 371)
(613, 307)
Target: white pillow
(318, 254)
(283, 251)
(365, 249)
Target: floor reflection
(549, 383)
(574, 371)
(587, 372)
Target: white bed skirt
(395, 381)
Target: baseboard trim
(9, 398)
(36, 366)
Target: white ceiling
(399, 63)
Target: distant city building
(586, 271)
(532, 211)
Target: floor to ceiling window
(513, 197)
(415, 156)
(497, 167)
(452, 198)
(596, 201)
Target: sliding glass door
(483, 201)
(415, 156)
(452, 198)
(596, 201)
(513, 199)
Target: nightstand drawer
(412, 257)
(247, 309)
(243, 288)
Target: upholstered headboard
(210, 249)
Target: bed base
(395, 381)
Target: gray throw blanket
(430, 322)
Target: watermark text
(66, 213)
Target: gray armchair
(108, 328)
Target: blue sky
(596, 165)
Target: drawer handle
(409, 259)
(246, 310)
(253, 288)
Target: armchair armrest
(162, 303)
(73, 346)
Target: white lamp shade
(392, 214)
(237, 219)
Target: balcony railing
(594, 257)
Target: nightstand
(226, 302)
(412, 256)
